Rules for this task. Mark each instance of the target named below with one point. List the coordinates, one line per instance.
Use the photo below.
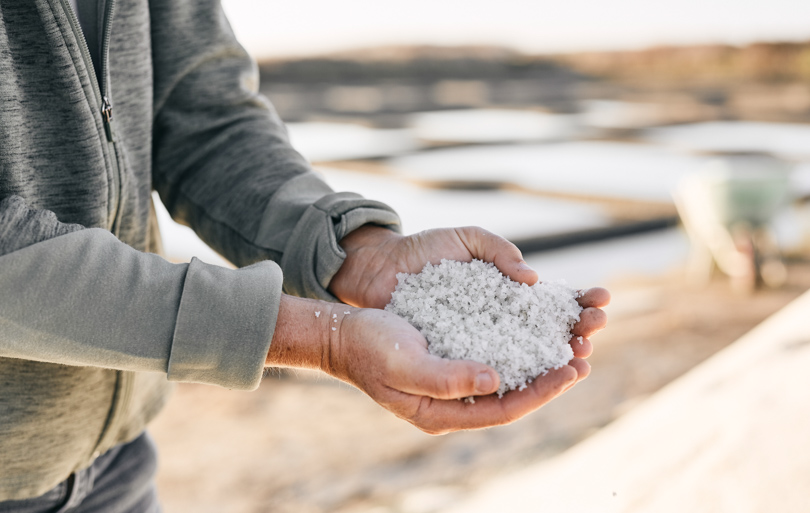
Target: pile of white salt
(470, 311)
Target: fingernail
(483, 383)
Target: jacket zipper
(106, 111)
(101, 92)
(124, 381)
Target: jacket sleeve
(79, 296)
(223, 164)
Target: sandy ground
(309, 444)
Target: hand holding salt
(388, 358)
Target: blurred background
(661, 150)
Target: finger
(596, 297)
(489, 247)
(437, 417)
(441, 378)
(583, 370)
(591, 320)
(582, 367)
(582, 346)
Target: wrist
(368, 251)
(368, 235)
(307, 335)
(300, 335)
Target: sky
(271, 28)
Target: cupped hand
(388, 359)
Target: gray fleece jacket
(91, 323)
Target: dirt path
(309, 444)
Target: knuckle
(424, 421)
(507, 417)
(418, 417)
(510, 417)
(510, 414)
(449, 386)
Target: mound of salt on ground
(470, 311)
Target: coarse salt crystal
(396, 346)
(317, 314)
(334, 329)
(470, 311)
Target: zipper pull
(106, 113)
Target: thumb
(441, 378)
(489, 247)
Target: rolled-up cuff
(225, 324)
(313, 256)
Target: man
(159, 95)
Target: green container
(747, 188)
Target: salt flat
(510, 214)
(788, 140)
(599, 263)
(579, 168)
(325, 141)
(494, 126)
